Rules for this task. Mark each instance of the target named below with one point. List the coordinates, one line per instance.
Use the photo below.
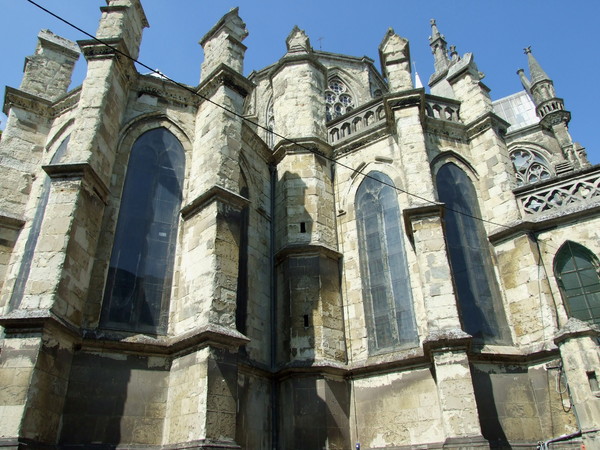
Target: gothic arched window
(530, 167)
(338, 100)
(384, 269)
(36, 228)
(140, 274)
(576, 270)
(479, 303)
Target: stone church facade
(317, 255)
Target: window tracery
(530, 167)
(384, 268)
(338, 99)
(480, 307)
(576, 270)
(140, 273)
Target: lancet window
(530, 167)
(384, 268)
(140, 274)
(338, 99)
(479, 302)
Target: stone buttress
(310, 324)
(41, 325)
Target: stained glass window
(140, 273)
(479, 302)
(338, 100)
(576, 270)
(384, 269)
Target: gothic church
(319, 255)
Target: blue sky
(562, 35)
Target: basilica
(322, 254)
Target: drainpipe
(273, 314)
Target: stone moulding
(575, 328)
(26, 101)
(8, 220)
(215, 193)
(223, 75)
(305, 250)
(485, 122)
(442, 340)
(83, 171)
(420, 212)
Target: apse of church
(319, 254)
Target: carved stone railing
(442, 108)
(357, 121)
(554, 195)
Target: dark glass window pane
(386, 287)
(141, 267)
(576, 268)
(479, 302)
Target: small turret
(551, 109)
(438, 45)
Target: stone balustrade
(560, 194)
(442, 108)
(359, 120)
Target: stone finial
(524, 81)
(298, 42)
(223, 44)
(48, 71)
(125, 20)
(438, 45)
(394, 53)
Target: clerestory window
(479, 302)
(140, 274)
(338, 99)
(530, 167)
(576, 270)
(384, 268)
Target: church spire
(438, 45)
(536, 72)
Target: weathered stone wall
(115, 398)
(255, 410)
(522, 403)
(315, 413)
(401, 407)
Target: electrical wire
(284, 138)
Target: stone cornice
(297, 58)
(83, 171)
(214, 194)
(66, 102)
(223, 75)
(486, 122)
(8, 220)
(108, 48)
(306, 250)
(250, 137)
(38, 320)
(575, 328)
(447, 340)
(543, 224)
(301, 145)
(177, 95)
(421, 212)
(26, 101)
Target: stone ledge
(421, 212)
(26, 101)
(575, 328)
(306, 250)
(214, 194)
(83, 171)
